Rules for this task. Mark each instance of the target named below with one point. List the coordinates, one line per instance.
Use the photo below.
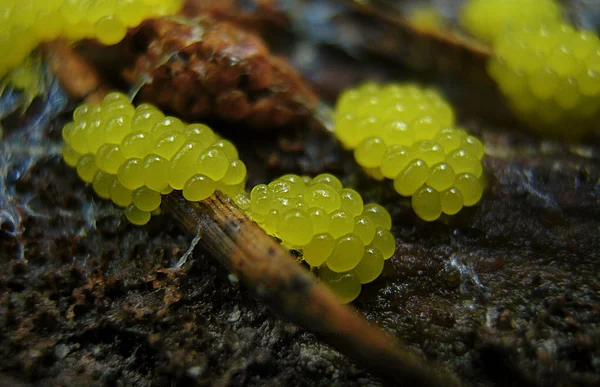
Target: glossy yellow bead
(346, 286)
(341, 222)
(441, 177)
(120, 195)
(116, 129)
(109, 158)
(470, 188)
(397, 133)
(451, 201)
(396, 158)
(318, 250)
(131, 174)
(462, 162)
(320, 220)
(70, 156)
(260, 199)
(327, 179)
(428, 151)
(426, 203)
(136, 216)
(87, 168)
(370, 266)
(79, 138)
(384, 242)
(198, 187)
(379, 215)
(110, 30)
(213, 163)
(227, 147)
(145, 119)
(137, 145)
(201, 134)
(102, 182)
(295, 227)
(369, 152)
(155, 173)
(411, 178)
(323, 196)
(347, 253)
(296, 184)
(168, 144)
(183, 165)
(364, 228)
(167, 124)
(146, 199)
(351, 201)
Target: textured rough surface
(214, 69)
(505, 293)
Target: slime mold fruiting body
(406, 133)
(134, 155)
(26, 23)
(488, 19)
(347, 240)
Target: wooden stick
(271, 272)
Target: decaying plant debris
(211, 68)
(506, 293)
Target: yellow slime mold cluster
(26, 23)
(488, 19)
(133, 155)
(406, 133)
(330, 225)
(550, 76)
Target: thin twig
(271, 272)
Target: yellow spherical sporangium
(426, 203)
(213, 162)
(370, 266)
(320, 247)
(340, 222)
(345, 285)
(346, 254)
(146, 199)
(384, 242)
(70, 155)
(87, 168)
(364, 228)
(137, 216)
(131, 174)
(295, 227)
(323, 196)
(198, 187)
(120, 195)
(351, 201)
(488, 19)
(379, 215)
(102, 182)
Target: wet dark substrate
(506, 293)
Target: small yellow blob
(318, 250)
(198, 187)
(370, 266)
